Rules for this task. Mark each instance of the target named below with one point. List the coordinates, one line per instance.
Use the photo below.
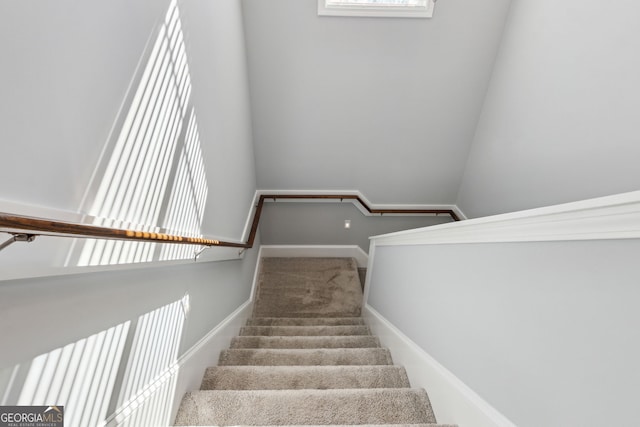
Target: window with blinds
(377, 8)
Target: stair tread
(304, 330)
(308, 287)
(304, 321)
(322, 407)
(324, 356)
(291, 342)
(303, 377)
(307, 358)
(369, 425)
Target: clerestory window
(377, 8)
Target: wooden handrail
(359, 200)
(48, 227)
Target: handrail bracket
(199, 252)
(17, 237)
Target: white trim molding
(183, 375)
(205, 352)
(458, 211)
(453, 401)
(611, 217)
(249, 221)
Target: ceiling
(385, 106)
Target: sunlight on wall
(189, 195)
(152, 366)
(79, 376)
(125, 375)
(155, 179)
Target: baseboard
(256, 275)
(346, 251)
(249, 221)
(205, 353)
(452, 400)
(183, 376)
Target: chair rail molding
(610, 217)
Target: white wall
(69, 85)
(384, 106)
(40, 316)
(323, 224)
(544, 332)
(215, 42)
(71, 82)
(559, 121)
(66, 69)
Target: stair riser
(321, 357)
(322, 407)
(306, 342)
(297, 321)
(304, 330)
(298, 377)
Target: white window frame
(326, 8)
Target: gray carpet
(308, 287)
(303, 377)
(303, 321)
(304, 330)
(363, 341)
(306, 358)
(324, 407)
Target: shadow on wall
(125, 375)
(154, 179)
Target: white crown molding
(611, 217)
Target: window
(377, 8)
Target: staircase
(306, 358)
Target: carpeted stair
(306, 358)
